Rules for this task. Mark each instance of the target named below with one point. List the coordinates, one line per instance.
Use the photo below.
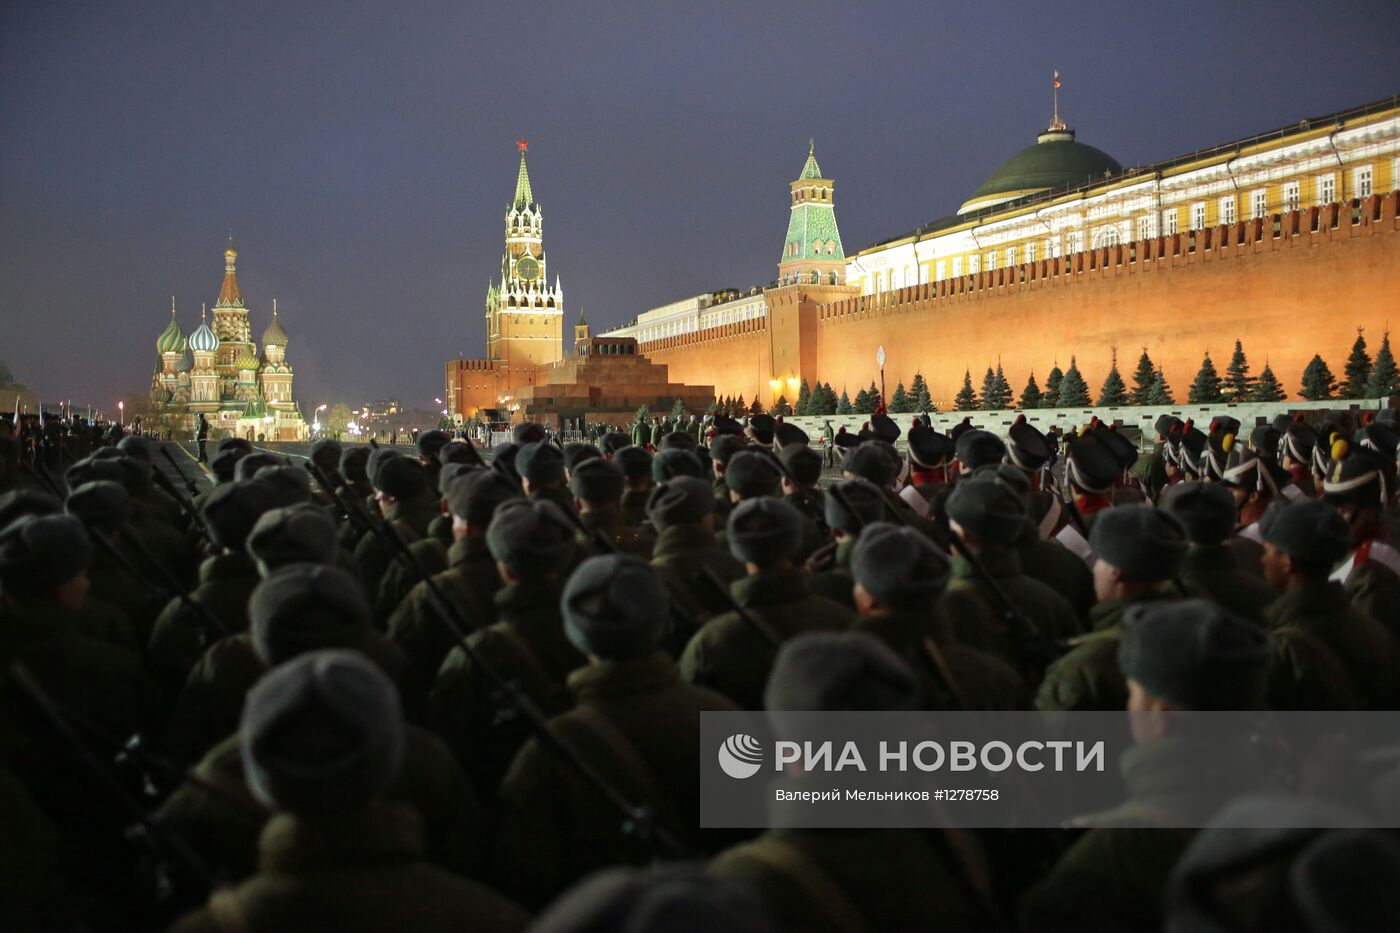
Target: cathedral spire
(523, 195)
(229, 294)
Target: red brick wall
(1286, 297)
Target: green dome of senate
(1055, 161)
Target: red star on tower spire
(522, 144)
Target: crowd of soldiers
(377, 690)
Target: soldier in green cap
(682, 511)
(1211, 569)
(407, 503)
(990, 519)
(1176, 657)
(323, 746)
(597, 486)
(732, 652)
(842, 880)
(634, 720)
(899, 578)
(533, 545)
(1139, 551)
(1303, 542)
(722, 449)
(300, 608)
(853, 505)
(226, 581)
(471, 580)
(636, 466)
(541, 468)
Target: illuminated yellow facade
(1340, 158)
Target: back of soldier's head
(752, 473)
(230, 511)
(615, 607)
(839, 671)
(898, 568)
(532, 539)
(598, 481)
(322, 735)
(306, 607)
(671, 462)
(41, 552)
(474, 497)
(298, 534)
(684, 500)
(765, 531)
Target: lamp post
(880, 362)
(121, 414)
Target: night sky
(363, 154)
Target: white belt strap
(1070, 537)
(918, 503)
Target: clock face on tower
(527, 268)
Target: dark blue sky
(362, 154)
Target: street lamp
(880, 362)
(121, 413)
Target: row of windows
(819, 247)
(1322, 187)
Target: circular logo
(740, 756)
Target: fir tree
(1358, 369)
(1266, 387)
(678, 410)
(739, 407)
(1318, 382)
(873, 394)
(1051, 398)
(862, 405)
(1074, 391)
(987, 399)
(899, 401)
(843, 407)
(1206, 388)
(816, 401)
(966, 399)
(1031, 396)
(781, 406)
(919, 390)
(1143, 378)
(1004, 392)
(1114, 392)
(804, 400)
(755, 407)
(1381, 383)
(1159, 393)
(828, 406)
(1238, 382)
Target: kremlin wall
(1288, 288)
(1288, 241)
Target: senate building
(216, 371)
(1287, 240)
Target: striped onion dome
(172, 339)
(203, 339)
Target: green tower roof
(811, 169)
(523, 194)
(812, 223)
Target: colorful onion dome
(274, 336)
(172, 339)
(203, 339)
(246, 360)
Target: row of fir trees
(1363, 377)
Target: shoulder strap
(945, 673)
(815, 881)
(522, 648)
(617, 742)
(226, 910)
